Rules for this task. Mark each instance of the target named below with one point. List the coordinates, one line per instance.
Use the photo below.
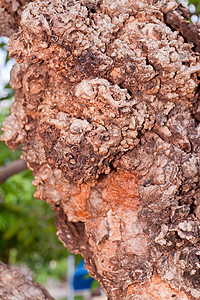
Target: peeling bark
(107, 108)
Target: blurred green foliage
(196, 3)
(9, 92)
(27, 231)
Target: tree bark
(16, 286)
(10, 15)
(107, 108)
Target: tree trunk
(16, 286)
(10, 16)
(107, 107)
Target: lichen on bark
(106, 106)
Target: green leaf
(7, 86)
(7, 57)
(3, 46)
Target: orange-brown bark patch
(121, 191)
(76, 209)
(157, 289)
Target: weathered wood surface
(107, 109)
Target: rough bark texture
(107, 107)
(10, 15)
(16, 286)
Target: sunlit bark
(107, 108)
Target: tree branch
(11, 169)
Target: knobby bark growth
(10, 15)
(107, 107)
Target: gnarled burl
(107, 108)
